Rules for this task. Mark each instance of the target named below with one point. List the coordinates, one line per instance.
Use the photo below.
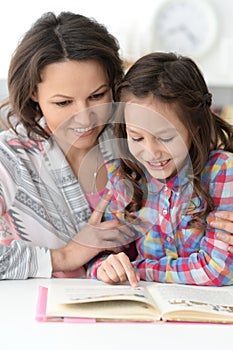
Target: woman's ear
(34, 97)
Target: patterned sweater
(42, 205)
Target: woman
(224, 221)
(60, 83)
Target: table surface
(20, 330)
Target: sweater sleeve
(21, 261)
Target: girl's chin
(161, 175)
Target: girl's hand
(224, 221)
(117, 268)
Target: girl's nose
(154, 150)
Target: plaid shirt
(168, 250)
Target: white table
(19, 330)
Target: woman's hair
(175, 80)
(52, 39)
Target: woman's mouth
(83, 131)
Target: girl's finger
(115, 270)
(131, 274)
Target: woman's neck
(88, 166)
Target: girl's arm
(211, 263)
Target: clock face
(188, 27)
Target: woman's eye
(62, 103)
(97, 96)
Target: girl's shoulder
(220, 157)
(219, 164)
(113, 168)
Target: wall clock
(188, 27)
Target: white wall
(130, 21)
(126, 19)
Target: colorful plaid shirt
(168, 250)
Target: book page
(74, 293)
(211, 300)
(99, 300)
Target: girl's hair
(176, 80)
(51, 39)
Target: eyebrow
(92, 93)
(163, 131)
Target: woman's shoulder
(12, 143)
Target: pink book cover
(41, 311)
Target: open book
(81, 299)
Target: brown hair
(51, 39)
(177, 80)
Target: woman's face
(156, 136)
(75, 99)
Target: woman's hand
(93, 238)
(108, 235)
(224, 221)
(117, 268)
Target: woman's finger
(225, 215)
(225, 238)
(97, 214)
(223, 225)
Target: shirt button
(168, 239)
(164, 212)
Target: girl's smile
(158, 165)
(156, 137)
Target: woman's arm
(19, 260)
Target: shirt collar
(175, 183)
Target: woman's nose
(81, 112)
(80, 106)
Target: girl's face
(156, 136)
(75, 97)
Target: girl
(52, 157)
(177, 170)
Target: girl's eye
(137, 139)
(169, 139)
(62, 103)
